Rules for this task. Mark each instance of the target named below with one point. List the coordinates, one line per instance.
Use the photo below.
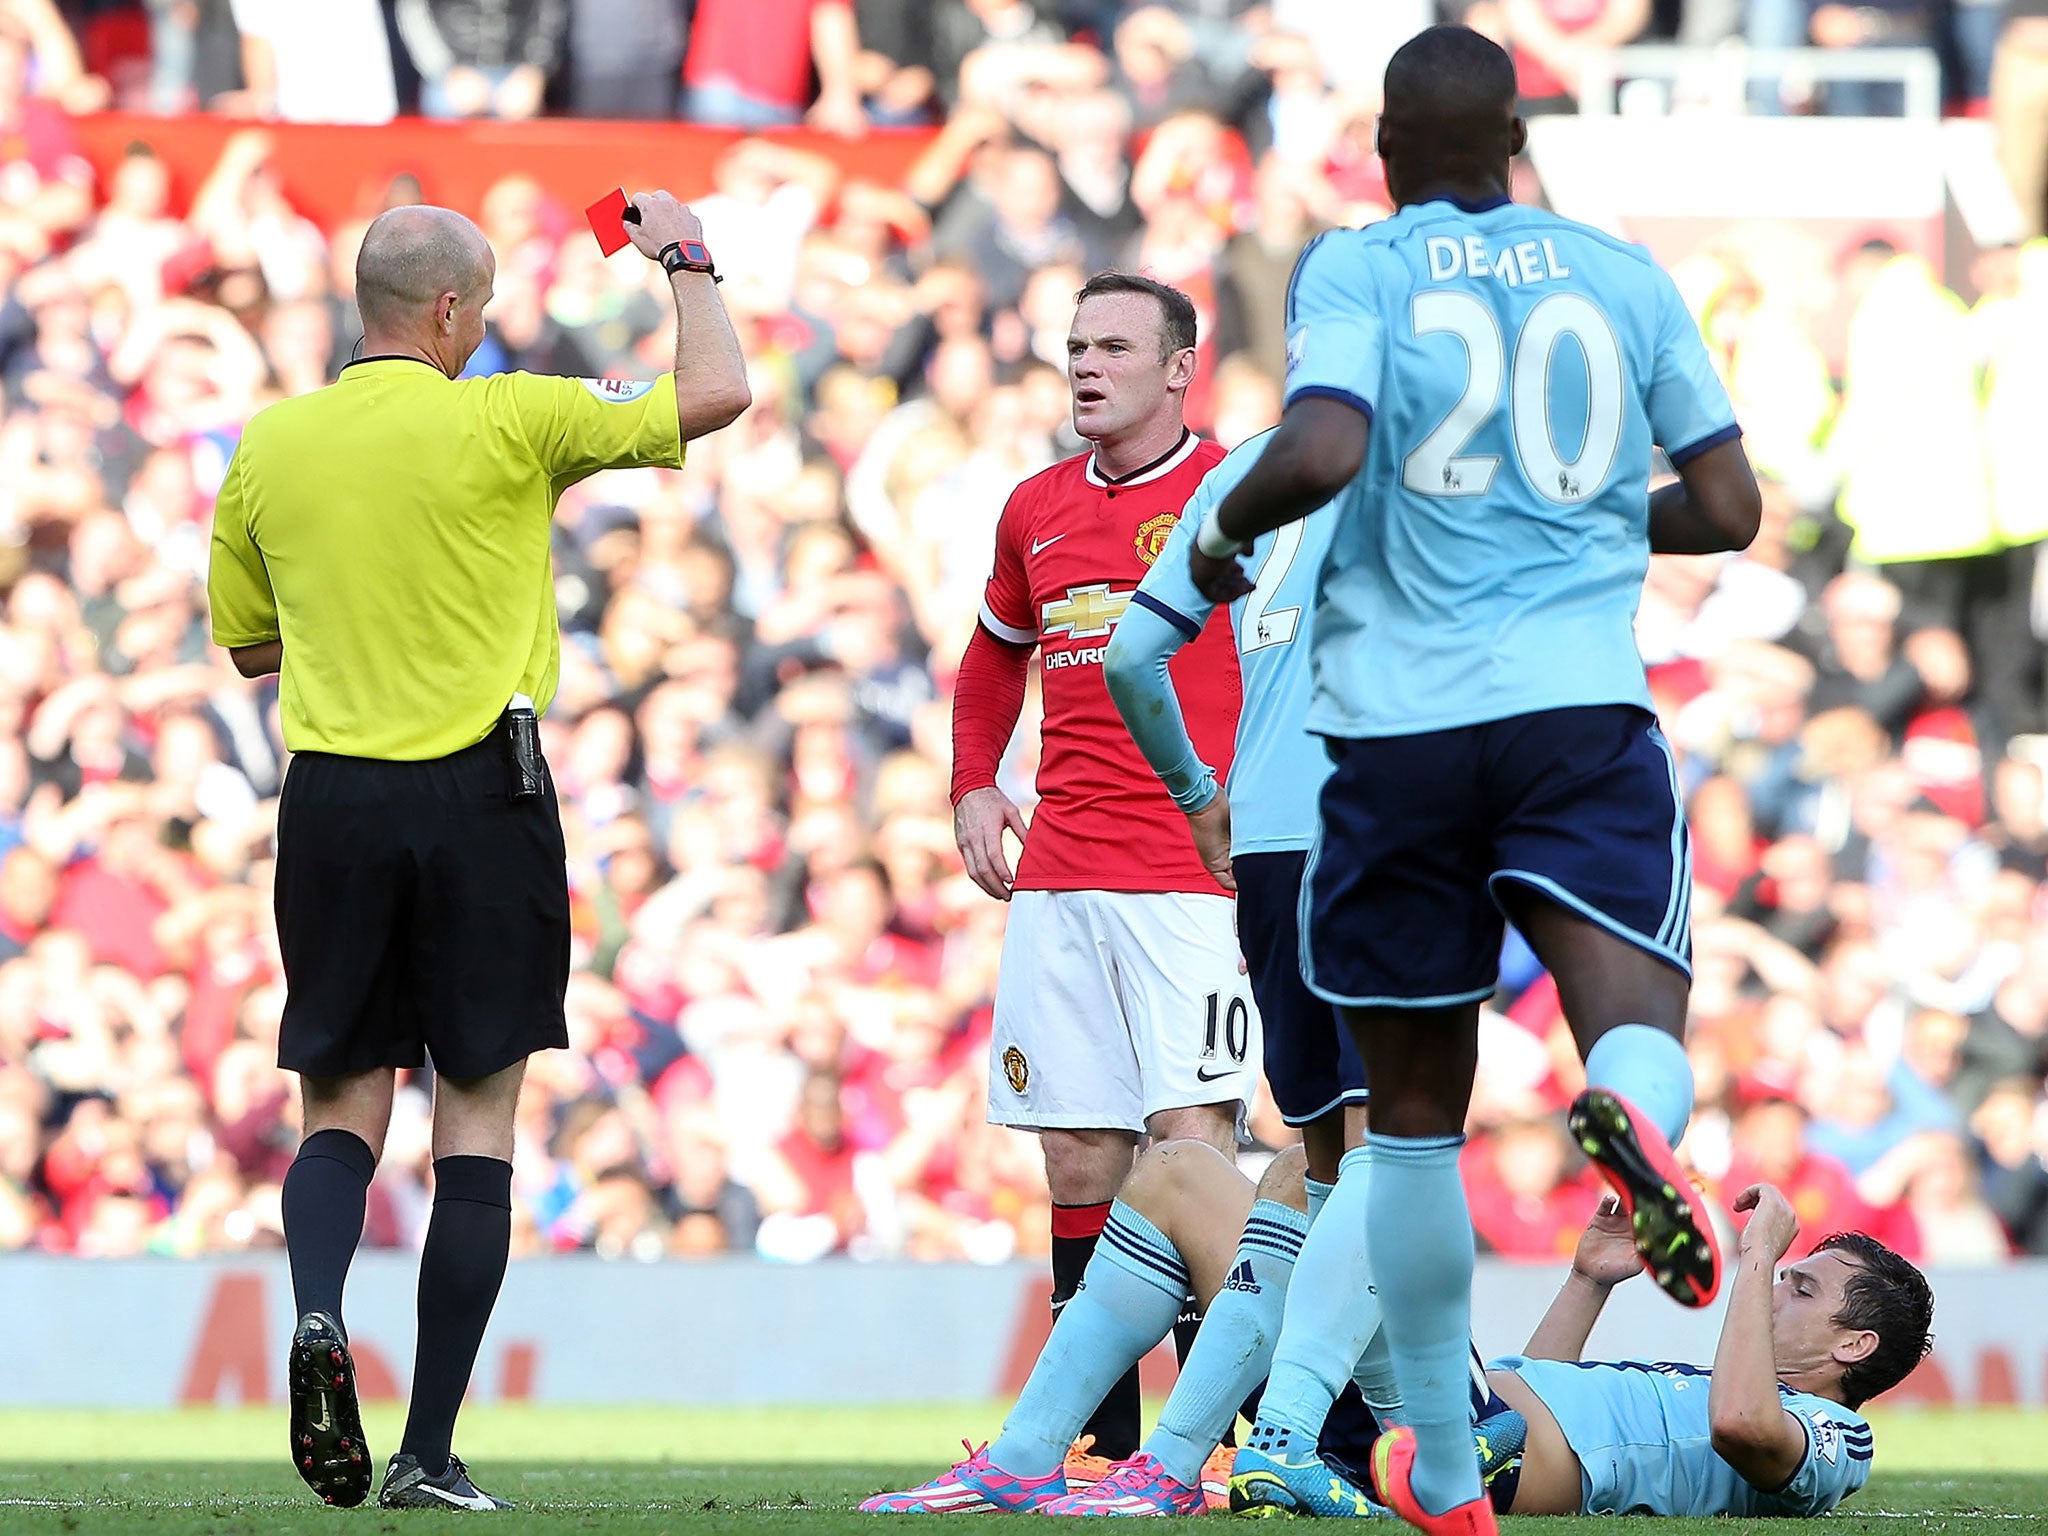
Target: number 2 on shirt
(1263, 625)
(1439, 467)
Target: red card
(607, 221)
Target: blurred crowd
(1857, 706)
(781, 1000)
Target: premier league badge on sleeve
(1827, 1436)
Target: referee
(383, 544)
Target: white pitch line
(1903, 1514)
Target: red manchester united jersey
(1071, 548)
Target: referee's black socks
(468, 1242)
(325, 1193)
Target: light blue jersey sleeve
(1839, 1446)
(1166, 612)
(1136, 671)
(1336, 342)
(1687, 404)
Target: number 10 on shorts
(1237, 1028)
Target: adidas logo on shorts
(1242, 1279)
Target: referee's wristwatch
(688, 256)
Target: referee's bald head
(412, 256)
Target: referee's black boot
(407, 1486)
(327, 1426)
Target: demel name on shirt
(1526, 261)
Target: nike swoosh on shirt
(1038, 544)
(1203, 1074)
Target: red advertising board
(333, 173)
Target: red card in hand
(607, 216)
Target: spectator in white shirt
(325, 63)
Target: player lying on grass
(1771, 1430)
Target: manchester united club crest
(1152, 534)
(1016, 1069)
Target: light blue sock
(1376, 1381)
(1375, 1378)
(1129, 1297)
(1332, 1309)
(1419, 1242)
(1318, 1195)
(1235, 1346)
(1648, 1068)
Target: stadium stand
(781, 999)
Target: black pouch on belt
(525, 773)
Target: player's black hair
(1177, 330)
(1450, 107)
(1892, 1299)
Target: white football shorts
(1114, 1005)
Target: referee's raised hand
(710, 372)
(663, 222)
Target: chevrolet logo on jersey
(1085, 613)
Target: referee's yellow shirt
(392, 530)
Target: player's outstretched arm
(1606, 1256)
(710, 371)
(1317, 449)
(1752, 1432)
(1713, 506)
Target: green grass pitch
(790, 1472)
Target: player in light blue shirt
(1481, 386)
(1642, 1434)
(1255, 837)
(1772, 1429)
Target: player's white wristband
(1212, 541)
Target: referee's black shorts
(420, 910)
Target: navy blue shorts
(1310, 1061)
(1419, 832)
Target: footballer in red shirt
(1121, 1008)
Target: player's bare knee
(1172, 1177)
(1283, 1180)
(1086, 1167)
(1214, 1125)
